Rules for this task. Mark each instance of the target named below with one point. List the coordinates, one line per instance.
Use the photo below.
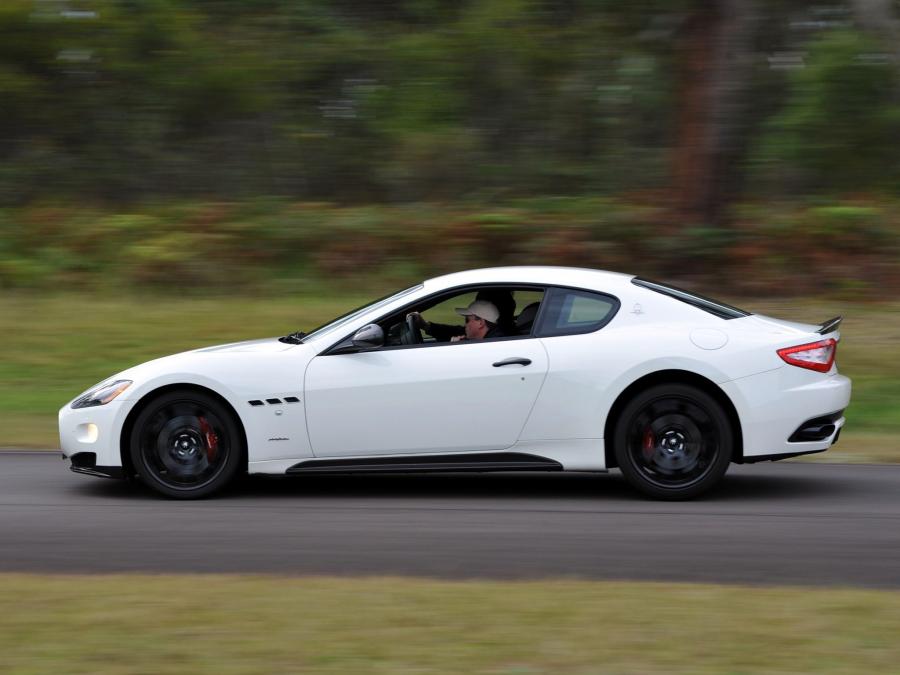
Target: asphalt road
(782, 523)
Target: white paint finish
(264, 423)
(87, 433)
(445, 398)
(576, 388)
(709, 338)
(449, 398)
(575, 454)
(238, 375)
(267, 371)
(762, 323)
(773, 404)
(588, 372)
(273, 466)
(265, 345)
(108, 420)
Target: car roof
(546, 275)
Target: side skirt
(479, 462)
(753, 459)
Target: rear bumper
(774, 406)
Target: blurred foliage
(224, 144)
(839, 127)
(849, 249)
(412, 100)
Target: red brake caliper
(648, 443)
(212, 441)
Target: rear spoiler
(830, 325)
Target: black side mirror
(370, 336)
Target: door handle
(513, 361)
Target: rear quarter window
(569, 311)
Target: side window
(516, 307)
(572, 312)
(444, 312)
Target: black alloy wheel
(186, 445)
(673, 442)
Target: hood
(237, 366)
(263, 345)
(189, 361)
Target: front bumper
(86, 463)
(93, 431)
(772, 406)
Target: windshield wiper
(295, 338)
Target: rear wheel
(186, 445)
(673, 441)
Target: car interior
(566, 311)
(518, 309)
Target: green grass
(227, 624)
(55, 347)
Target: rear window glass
(715, 307)
(571, 312)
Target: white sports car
(580, 370)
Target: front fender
(250, 383)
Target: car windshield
(354, 314)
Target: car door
(585, 358)
(451, 397)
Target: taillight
(818, 356)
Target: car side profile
(592, 371)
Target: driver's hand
(457, 338)
(421, 323)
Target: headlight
(102, 394)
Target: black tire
(186, 445)
(673, 441)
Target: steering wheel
(412, 335)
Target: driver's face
(475, 328)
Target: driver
(481, 321)
(500, 298)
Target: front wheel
(673, 442)
(185, 444)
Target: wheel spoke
(673, 441)
(184, 445)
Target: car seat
(526, 317)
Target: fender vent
(274, 401)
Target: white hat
(482, 309)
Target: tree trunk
(714, 64)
